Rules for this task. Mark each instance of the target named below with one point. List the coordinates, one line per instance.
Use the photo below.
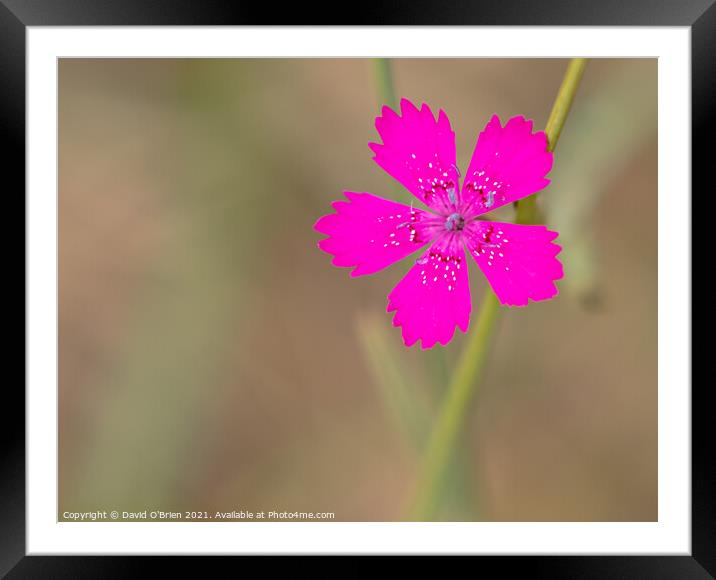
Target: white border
(670, 535)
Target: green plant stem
(383, 72)
(463, 383)
(527, 212)
(452, 414)
(384, 80)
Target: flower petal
(508, 163)
(371, 233)
(434, 296)
(419, 152)
(519, 261)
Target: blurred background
(211, 358)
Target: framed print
(372, 289)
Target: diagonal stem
(463, 385)
(527, 207)
(452, 414)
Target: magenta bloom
(369, 233)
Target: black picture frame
(17, 15)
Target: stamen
(490, 199)
(454, 222)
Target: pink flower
(369, 233)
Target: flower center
(455, 222)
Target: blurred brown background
(211, 358)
